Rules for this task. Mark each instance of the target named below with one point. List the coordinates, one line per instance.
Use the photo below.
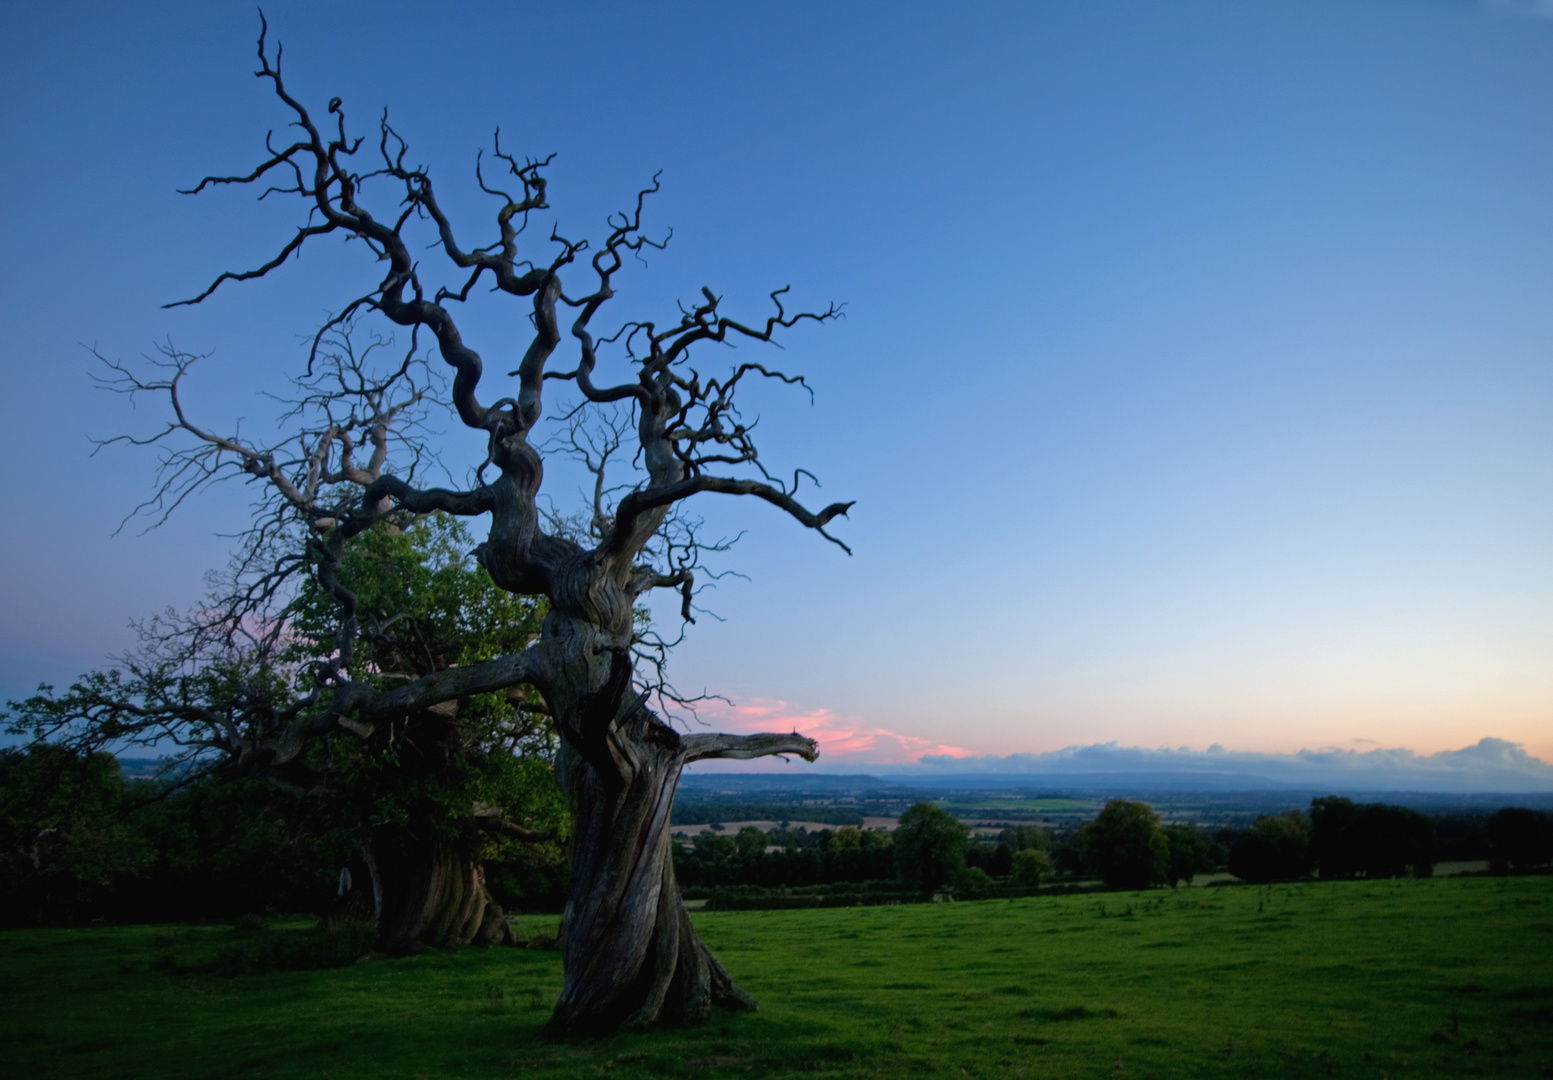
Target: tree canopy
(929, 848)
(1126, 847)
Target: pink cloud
(839, 737)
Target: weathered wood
(632, 957)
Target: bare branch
(642, 501)
(705, 746)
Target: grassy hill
(1385, 979)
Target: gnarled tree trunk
(433, 891)
(632, 958)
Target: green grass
(1388, 979)
(1045, 806)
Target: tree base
(432, 895)
(632, 958)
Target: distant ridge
(1253, 792)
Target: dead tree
(632, 957)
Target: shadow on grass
(259, 950)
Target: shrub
(295, 950)
(973, 883)
(1030, 865)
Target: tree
(1030, 865)
(424, 806)
(1189, 853)
(929, 848)
(1519, 838)
(752, 842)
(1273, 849)
(449, 789)
(631, 956)
(1369, 839)
(63, 838)
(1125, 846)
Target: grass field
(1377, 980)
(1054, 805)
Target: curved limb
(704, 747)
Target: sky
(1193, 387)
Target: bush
(263, 950)
(750, 898)
(973, 883)
(1029, 867)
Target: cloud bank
(854, 746)
(1490, 765)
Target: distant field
(1377, 980)
(1044, 806)
(731, 828)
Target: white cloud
(1490, 765)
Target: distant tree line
(930, 852)
(1126, 846)
(709, 813)
(79, 842)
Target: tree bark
(433, 894)
(632, 958)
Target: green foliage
(1030, 866)
(706, 813)
(1190, 854)
(929, 848)
(84, 844)
(1345, 978)
(1275, 848)
(1026, 838)
(807, 859)
(223, 848)
(973, 883)
(64, 840)
(1369, 839)
(421, 601)
(1126, 847)
(750, 842)
(715, 847)
(315, 948)
(423, 606)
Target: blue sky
(1194, 386)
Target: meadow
(1383, 979)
